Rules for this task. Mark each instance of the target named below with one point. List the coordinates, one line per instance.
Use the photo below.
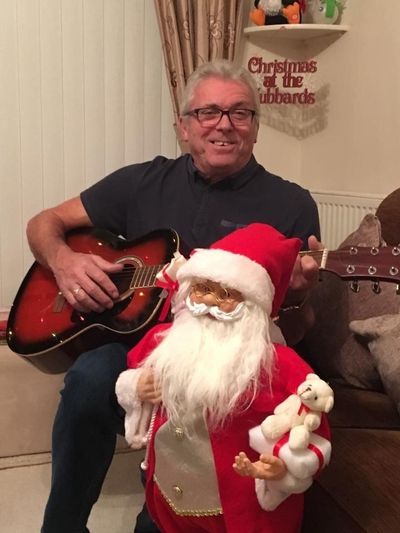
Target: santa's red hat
(256, 260)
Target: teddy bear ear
(328, 404)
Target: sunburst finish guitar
(41, 320)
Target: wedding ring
(75, 291)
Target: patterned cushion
(382, 333)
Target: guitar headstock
(355, 263)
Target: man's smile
(222, 143)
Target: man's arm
(82, 278)
(297, 315)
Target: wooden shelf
(293, 31)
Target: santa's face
(212, 294)
(206, 365)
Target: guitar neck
(351, 263)
(142, 277)
(360, 262)
(145, 277)
(320, 256)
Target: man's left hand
(305, 272)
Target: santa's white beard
(205, 365)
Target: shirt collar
(234, 181)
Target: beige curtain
(196, 31)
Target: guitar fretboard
(140, 277)
(320, 256)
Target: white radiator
(341, 213)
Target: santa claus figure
(195, 388)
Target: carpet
(24, 487)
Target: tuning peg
(354, 286)
(376, 287)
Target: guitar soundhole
(123, 279)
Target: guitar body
(41, 320)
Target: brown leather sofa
(360, 490)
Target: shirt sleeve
(306, 220)
(108, 201)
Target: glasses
(211, 116)
(221, 294)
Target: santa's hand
(268, 467)
(243, 466)
(147, 389)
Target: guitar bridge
(59, 303)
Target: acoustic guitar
(42, 325)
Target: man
(203, 195)
(218, 376)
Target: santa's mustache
(213, 310)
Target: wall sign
(281, 82)
(292, 99)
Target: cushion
(382, 333)
(388, 213)
(330, 347)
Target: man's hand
(296, 315)
(268, 467)
(83, 280)
(305, 273)
(147, 389)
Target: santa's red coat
(241, 511)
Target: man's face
(223, 149)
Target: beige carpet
(24, 486)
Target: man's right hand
(83, 280)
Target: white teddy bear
(300, 413)
(304, 452)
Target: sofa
(355, 345)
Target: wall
(357, 151)
(83, 93)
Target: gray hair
(221, 68)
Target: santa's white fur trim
(138, 414)
(233, 270)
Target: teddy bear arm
(312, 421)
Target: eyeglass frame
(195, 113)
(221, 294)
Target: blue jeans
(84, 437)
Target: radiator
(341, 213)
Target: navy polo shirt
(172, 193)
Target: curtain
(194, 32)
